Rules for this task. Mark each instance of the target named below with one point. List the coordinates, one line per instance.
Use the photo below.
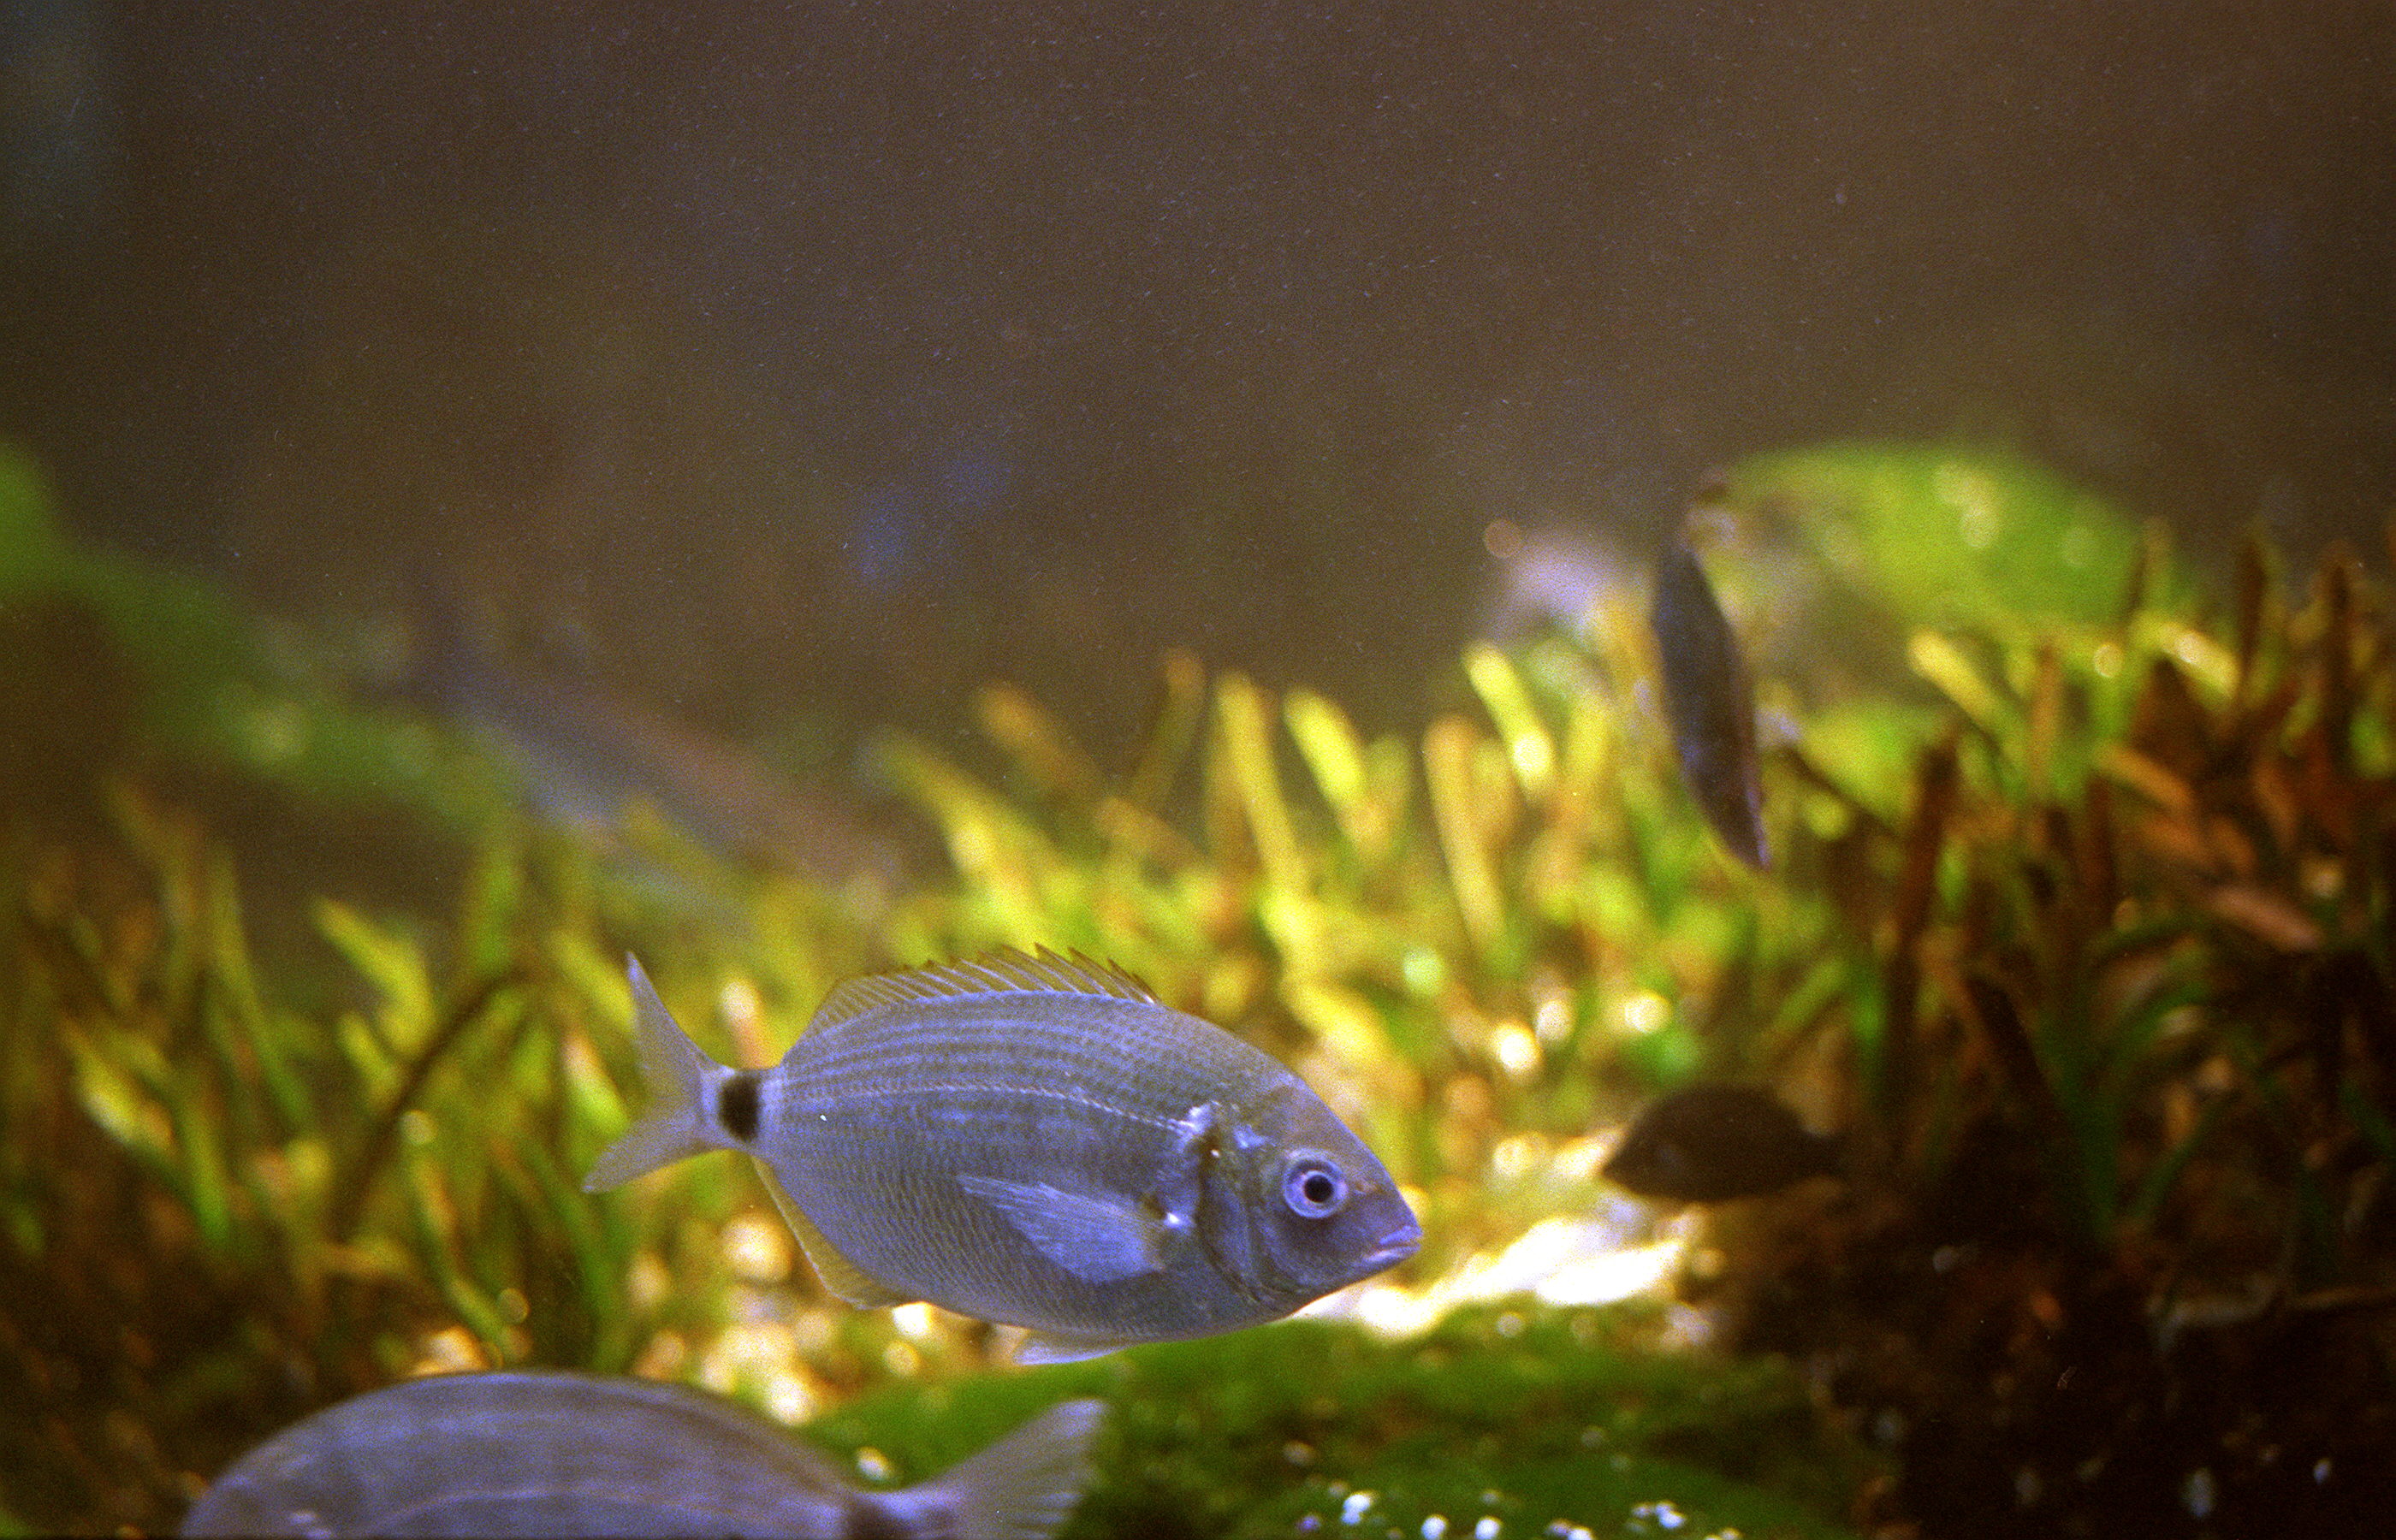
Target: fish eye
(1313, 1186)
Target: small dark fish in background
(1709, 697)
(551, 1453)
(1709, 1144)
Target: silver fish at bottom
(550, 1453)
(1034, 1141)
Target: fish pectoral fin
(839, 1275)
(1097, 1236)
(1054, 1347)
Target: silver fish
(1035, 1141)
(538, 1454)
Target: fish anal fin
(839, 1275)
(1096, 1236)
(1004, 971)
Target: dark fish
(540, 1453)
(1038, 1141)
(1712, 1143)
(1711, 699)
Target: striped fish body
(544, 1453)
(1041, 1143)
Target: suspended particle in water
(1434, 1528)
(2197, 1492)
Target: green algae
(1535, 1415)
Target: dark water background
(824, 360)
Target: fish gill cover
(2077, 937)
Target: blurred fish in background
(1709, 1144)
(550, 1453)
(1550, 575)
(1709, 697)
(589, 755)
(916, 527)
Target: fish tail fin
(682, 1082)
(1025, 1486)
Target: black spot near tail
(866, 1519)
(736, 1105)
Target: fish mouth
(1395, 1248)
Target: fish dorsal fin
(1006, 971)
